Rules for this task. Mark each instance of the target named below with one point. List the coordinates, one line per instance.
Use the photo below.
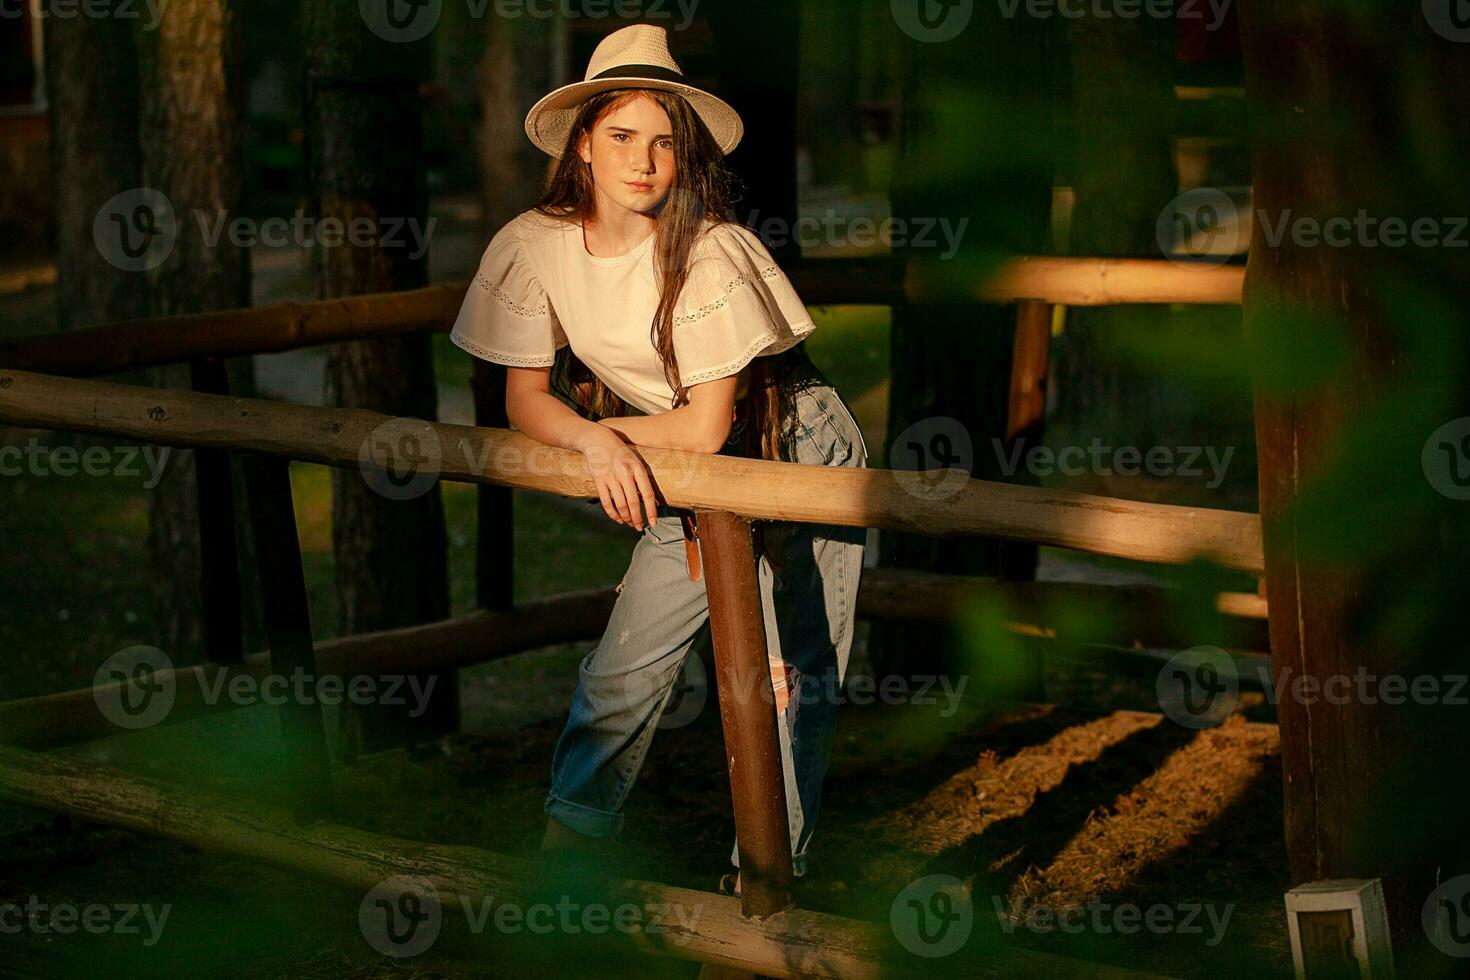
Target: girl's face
(631, 150)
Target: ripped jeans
(626, 685)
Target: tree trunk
(975, 148)
(1123, 173)
(92, 85)
(365, 159)
(1362, 356)
(765, 89)
(191, 105)
(511, 76)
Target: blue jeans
(626, 684)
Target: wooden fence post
(219, 561)
(495, 524)
(747, 712)
(288, 627)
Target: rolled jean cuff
(798, 862)
(584, 819)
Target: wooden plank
(849, 496)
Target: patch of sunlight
(123, 515)
(995, 790)
(1184, 799)
(311, 491)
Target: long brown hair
(701, 190)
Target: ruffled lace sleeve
(506, 316)
(736, 305)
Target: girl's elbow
(714, 440)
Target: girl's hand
(623, 482)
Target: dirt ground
(1032, 808)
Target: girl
(628, 285)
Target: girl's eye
(667, 144)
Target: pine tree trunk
(1122, 176)
(365, 159)
(92, 85)
(190, 108)
(1366, 528)
(975, 148)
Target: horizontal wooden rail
(805, 493)
(795, 943)
(68, 717)
(135, 344)
(1125, 616)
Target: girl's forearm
(678, 428)
(545, 418)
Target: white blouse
(538, 290)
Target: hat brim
(550, 120)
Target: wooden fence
(40, 386)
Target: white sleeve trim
(525, 312)
(770, 272)
(512, 360)
(763, 346)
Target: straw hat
(634, 57)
